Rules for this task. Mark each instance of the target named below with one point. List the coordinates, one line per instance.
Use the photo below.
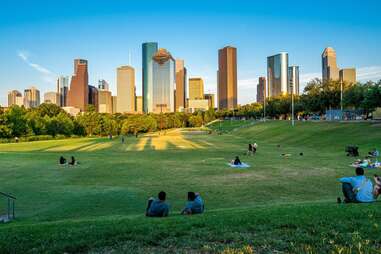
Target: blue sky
(40, 39)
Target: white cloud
(369, 73)
(47, 75)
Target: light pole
(161, 115)
(292, 106)
(341, 99)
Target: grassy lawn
(277, 205)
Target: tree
(16, 121)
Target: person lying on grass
(158, 207)
(357, 189)
(236, 161)
(73, 162)
(62, 160)
(194, 205)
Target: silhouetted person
(194, 205)
(73, 161)
(158, 207)
(62, 160)
(236, 161)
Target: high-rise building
(196, 89)
(181, 76)
(330, 71)
(210, 98)
(348, 75)
(261, 90)
(125, 84)
(164, 83)
(93, 98)
(31, 97)
(15, 98)
(51, 97)
(62, 90)
(139, 104)
(198, 105)
(104, 101)
(79, 91)
(113, 99)
(293, 80)
(103, 85)
(227, 78)
(277, 74)
(148, 51)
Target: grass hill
(279, 204)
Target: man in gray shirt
(158, 207)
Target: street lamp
(341, 99)
(292, 106)
(161, 114)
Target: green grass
(279, 204)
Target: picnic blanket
(242, 165)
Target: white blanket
(242, 165)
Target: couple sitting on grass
(63, 161)
(159, 208)
(359, 189)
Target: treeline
(317, 98)
(51, 120)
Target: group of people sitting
(72, 162)
(160, 208)
(360, 189)
(252, 149)
(366, 163)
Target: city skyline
(41, 59)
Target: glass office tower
(164, 83)
(148, 51)
(277, 74)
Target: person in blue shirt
(357, 189)
(158, 207)
(194, 205)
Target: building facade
(330, 71)
(125, 85)
(227, 78)
(51, 97)
(31, 97)
(62, 90)
(139, 104)
(198, 105)
(103, 85)
(79, 92)
(104, 101)
(148, 51)
(348, 75)
(277, 75)
(293, 80)
(114, 99)
(196, 89)
(181, 81)
(261, 90)
(164, 83)
(211, 99)
(15, 98)
(93, 98)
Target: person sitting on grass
(357, 189)
(255, 146)
(157, 207)
(236, 161)
(62, 160)
(194, 205)
(73, 161)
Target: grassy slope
(100, 203)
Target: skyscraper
(93, 98)
(261, 90)
(103, 85)
(148, 51)
(164, 82)
(348, 75)
(31, 97)
(51, 97)
(277, 74)
(104, 101)
(330, 71)
(139, 104)
(293, 80)
(15, 98)
(227, 78)
(125, 84)
(79, 91)
(62, 90)
(196, 89)
(181, 77)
